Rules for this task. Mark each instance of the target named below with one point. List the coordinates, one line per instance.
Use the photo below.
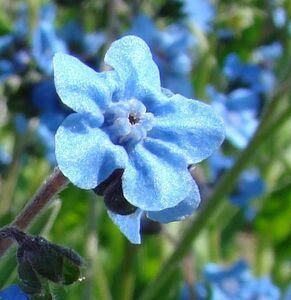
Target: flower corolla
(237, 282)
(125, 121)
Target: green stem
(225, 185)
(95, 276)
(169, 279)
(214, 243)
(33, 8)
(126, 286)
(259, 259)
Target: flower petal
(80, 87)
(85, 153)
(190, 126)
(132, 60)
(13, 292)
(179, 212)
(156, 177)
(178, 84)
(129, 225)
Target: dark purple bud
(111, 189)
(149, 227)
(99, 190)
(43, 259)
(115, 200)
(36, 256)
(29, 281)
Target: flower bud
(100, 189)
(71, 264)
(40, 260)
(115, 200)
(149, 227)
(29, 281)
(111, 189)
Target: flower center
(127, 122)
(133, 119)
(230, 286)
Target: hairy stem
(53, 185)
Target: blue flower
(268, 55)
(263, 288)
(239, 110)
(78, 41)
(13, 292)
(279, 16)
(287, 295)
(45, 42)
(250, 184)
(14, 57)
(258, 78)
(6, 69)
(125, 121)
(19, 33)
(52, 112)
(237, 282)
(228, 283)
(6, 41)
(21, 27)
(170, 48)
(5, 158)
(199, 12)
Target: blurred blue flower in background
(45, 42)
(218, 164)
(5, 158)
(279, 15)
(14, 55)
(21, 27)
(170, 49)
(45, 98)
(13, 292)
(250, 184)
(237, 282)
(287, 295)
(268, 55)
(17, 38)
(20, 123)
(6, 69)
(232, 283)
(125, 121)
(256, 77)
(239, 110)
(51, 114)
(200, 12)
(81, 43)
(6, 41)
(263, 288)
